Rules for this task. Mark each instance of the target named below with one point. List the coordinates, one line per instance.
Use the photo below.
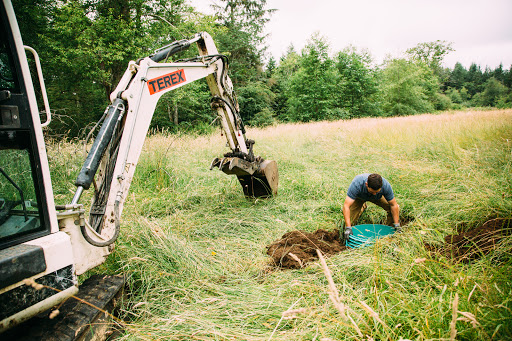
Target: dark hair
(375, 181)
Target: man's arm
(346, 210)
(395, 211)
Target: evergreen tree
(271, 67)
(507, 77)
(243, 39)
(473, 82)
(358, 85)
(458, 76)
(280, 82)
(313, 93)
(243, 42)
(289, 63)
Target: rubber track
(76, 320)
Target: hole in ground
(296, 249)
(473, 243)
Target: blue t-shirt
(358, 190)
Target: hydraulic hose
(117, 229)
(211, 59)
(173, 48)
(237, 115)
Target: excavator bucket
(263, 183)
(259, 179)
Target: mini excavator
(43, 246)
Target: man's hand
(348, 232)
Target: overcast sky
(480, 30)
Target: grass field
(194, 249)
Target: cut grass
(193, 247)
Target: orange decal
(166, 81)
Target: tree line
(85, 47)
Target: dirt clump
(296, 249)
(474, 243)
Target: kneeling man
(373, 188)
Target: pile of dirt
(295, 249)
(474, 243)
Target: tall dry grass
(193, 247)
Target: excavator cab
(31, 245)
(21, 208)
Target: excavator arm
(112, 160)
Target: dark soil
(474, 243)
(298, 248)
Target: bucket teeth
(259, 179)
(215, 163)
(223, 164)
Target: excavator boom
(116, 150)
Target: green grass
(193, 248)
